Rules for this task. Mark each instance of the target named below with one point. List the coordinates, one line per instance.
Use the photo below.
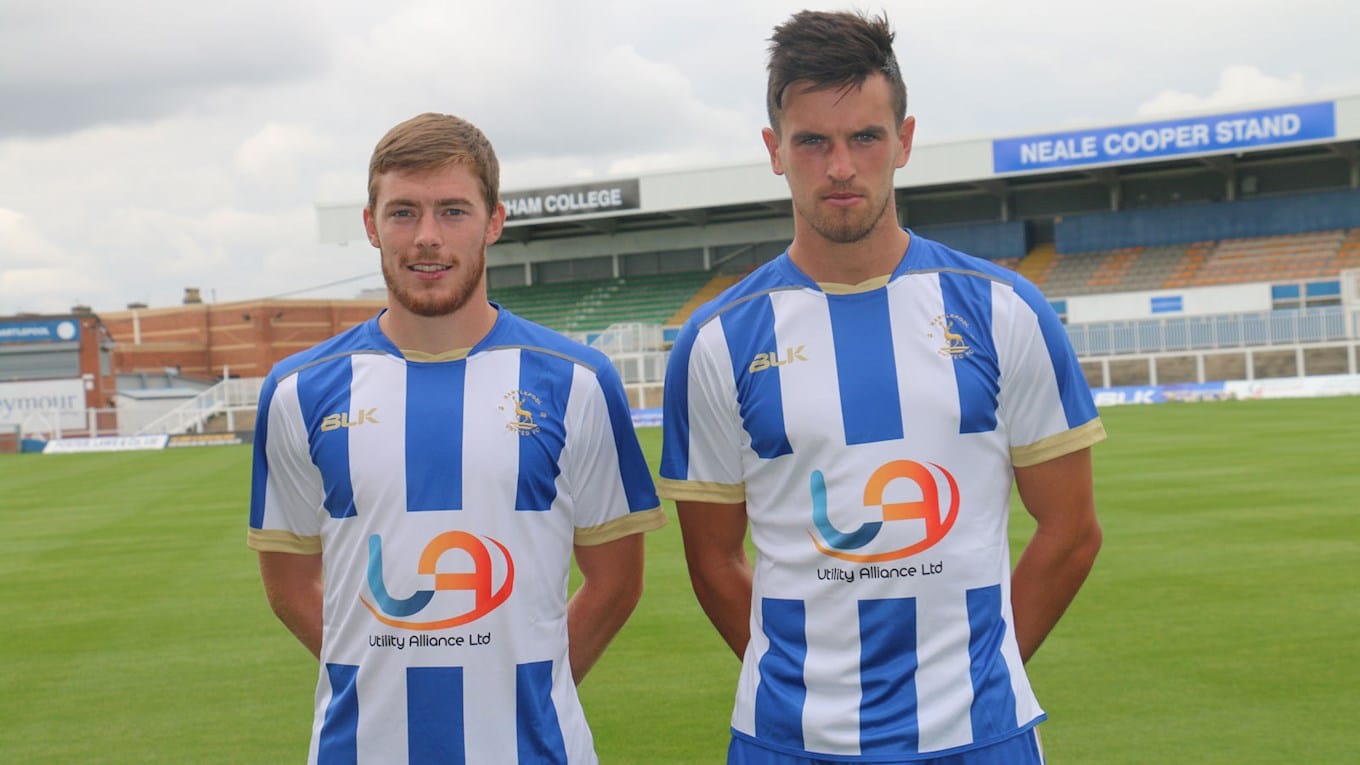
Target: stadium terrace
(1201, 251)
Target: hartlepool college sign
(1153, 140)
(583, 199)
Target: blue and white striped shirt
(872, 432)
(445, 498)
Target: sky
(147, 146)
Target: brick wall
(246, 337)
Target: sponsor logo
(764, 361)
(883, 495)
(458, 597)
(343, 420)
(951, 329)
(206, 439)
(521, 402)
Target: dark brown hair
(832, 51)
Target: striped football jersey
(872, 433)
(445, 498)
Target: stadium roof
(1224, 141)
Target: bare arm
(292, 583)
(714, 536)
(611, 585)
(1055, 562)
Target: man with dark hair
(865, 403)
(832, 50)
(423, 480)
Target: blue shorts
(1017, 750)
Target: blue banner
(1160, 394)
(59, 330)
(1167, 304)
(647, 418)
(1195, 135)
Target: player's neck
(825, 261)
(434, 335)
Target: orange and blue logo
(487, 593)
(936, 521)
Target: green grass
(1222, 622)
(1221, 625)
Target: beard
(842, 226)
(432, 303)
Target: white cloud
(1237, 86)
(56, 288)
(223, 249)
(21, 243)
(78, 63)
(165, 144)
(280, 151)
(36, 275)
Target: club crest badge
(952, 329)
(525, 409)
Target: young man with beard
(864, 404)
(423, 480)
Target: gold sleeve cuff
(633, 523)
(1058, 444)
(272, 540)
(701, 491)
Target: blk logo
(895, 479)
(764, 361)
(477, 557)
(343, 420)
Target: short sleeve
(611, 486)
(286, 488)
(1047, 403)
(701, 456)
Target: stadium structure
(1186, 256)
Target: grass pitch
(1221, 624)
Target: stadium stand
(554, 305)
(645, 299)
(1011, 263)
(1292, 257)
(668, 299)
(711, 289)
(1348, 255)
(591, 306)
(1067, 275)
(1184, 271)
(1165, 268)
(1037, 265)
(1127, 269)
(1271, 258)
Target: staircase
(1038, 263)
(711, 289)
(229, 397)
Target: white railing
(637, 352)
(229, 397)
(1214, 332)
(629, 337)
(51, 424)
